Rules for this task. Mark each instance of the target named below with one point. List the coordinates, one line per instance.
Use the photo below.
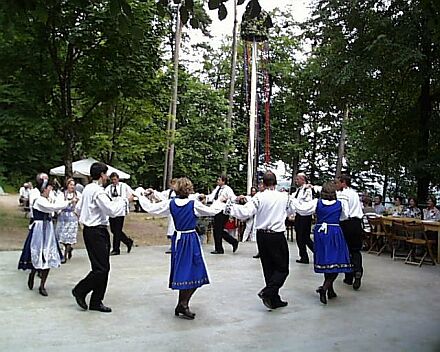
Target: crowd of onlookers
(410, 210)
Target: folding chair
(377, 234)
(398, 238)
(417, 237)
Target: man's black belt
(95, 227)
(268, 231)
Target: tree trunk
(425, 111)
(174, 97)
(231, 88)
(341, 149)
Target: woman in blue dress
(41, 250)
(331, 254)
(188, 270)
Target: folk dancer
(352, 228)
(188, 270)
(67, 223)
(224, 191)
(94, 209)
(271, 209)
(116, 190)
(41, 250)
(331, 254)
(303, 219)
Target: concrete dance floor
(396, 309)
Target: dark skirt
(188, 269)
(25, 261)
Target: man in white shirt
(94, 209)
(24, 195)
(303, 219)
(119, 190)
(352, 228)
(271, 208)
(226, 192)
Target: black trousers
(274, 256)
(220, 232)
(116, 225)
(303, 227)
(352, 230)
(97, 241)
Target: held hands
(130, 198)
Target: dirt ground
(144, 229)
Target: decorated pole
(252, 118)
(255, 30)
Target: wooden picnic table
(429, 225)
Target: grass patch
(12, 221)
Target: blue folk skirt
(188, 269)
(331, 251)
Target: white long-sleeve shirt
(310, 206)
(225, 192)
(120, 190)
(163, 208)
(270, 207)
(95, 206)
(303, 194)
(47, 206)
(354, 204)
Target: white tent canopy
(81, 168)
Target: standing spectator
(220, 219)
(379, 208)
(303, 219)
(412, 211)
(352, 229)
(119, 190)
(67, 224)
(94, 208)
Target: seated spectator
(378, 206)
(431, 212)
(23, 199)
(367, 205)
(412, 211)
(397, 208)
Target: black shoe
(256, 256)
(130, 245)
(267, 301)
(64, 261)
(348, 282)
(215, 252)
(235, 247)
(80, 300)
(115, 253)
(357, 284)
(331, 294)
(43, 291)
(168, 251)
(279, 303)
(31, 280)
(322, 296)
(101, 308)
(186, 313)
(301, 261)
